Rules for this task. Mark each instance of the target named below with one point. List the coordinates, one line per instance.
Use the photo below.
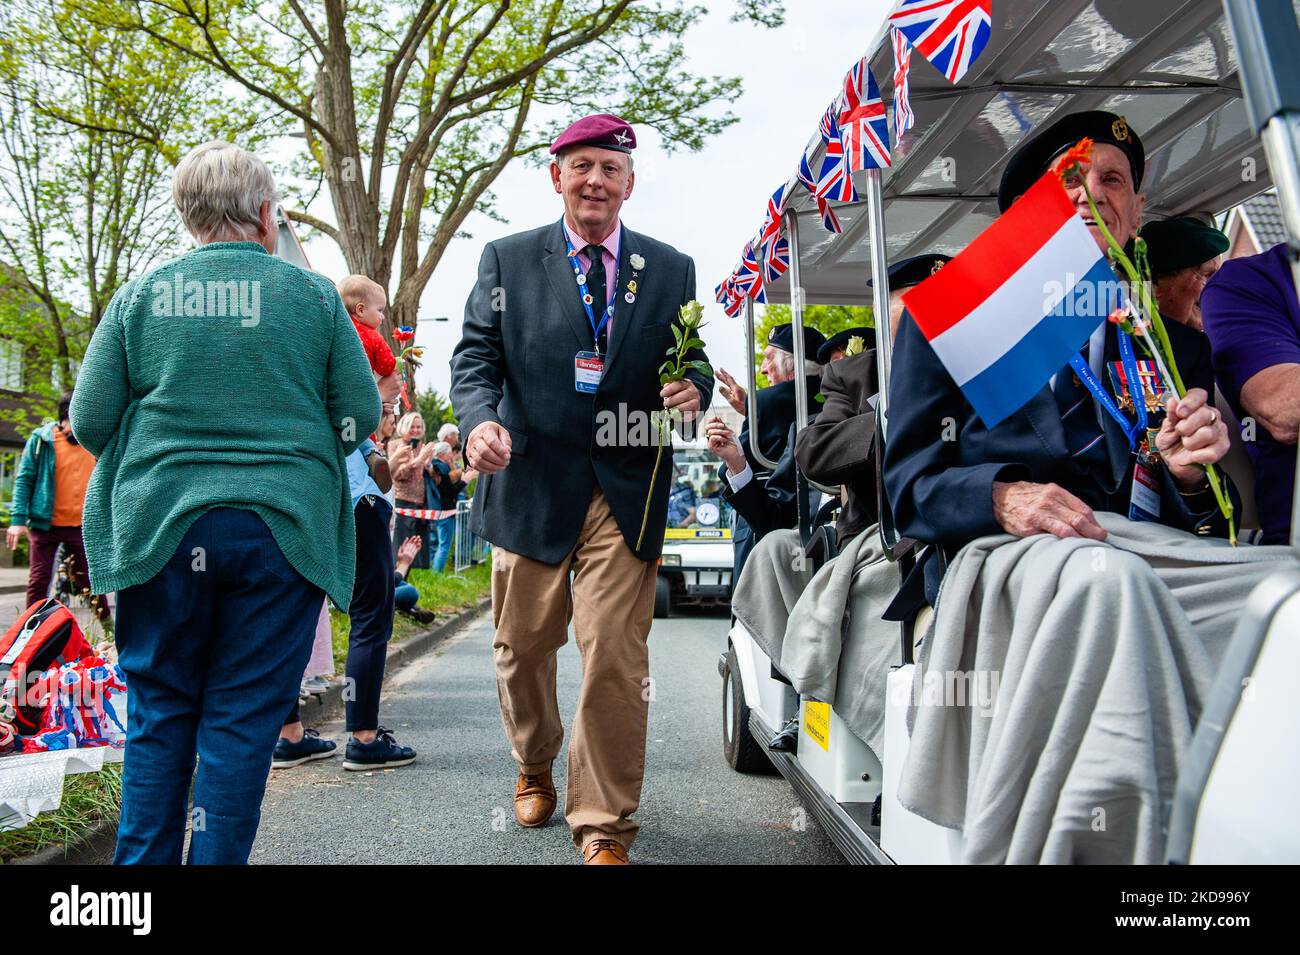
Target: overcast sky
(705, 204)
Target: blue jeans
(213, 647)
(405, 596)
(445, 530)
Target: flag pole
(751, 396)
(880, 291)
(796, 323)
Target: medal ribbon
(1098, 391)
(608, 313)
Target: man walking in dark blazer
(554, 382)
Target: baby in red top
(365, 301)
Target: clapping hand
(723, 443)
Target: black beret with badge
(1182, 242)
(914, 270)
(840, 340)
(1031, 160)
(782, 337)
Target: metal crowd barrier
(468, 548)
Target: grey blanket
(1099, 658)
(824, 630)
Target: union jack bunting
(834, 181)
(811, 182)
(776, 258)
(951, 34)
(749, 279)
(864, 131)
(904, 118)
(775, 210)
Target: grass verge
(88, 798)
(441, 593)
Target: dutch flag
(1011, 310)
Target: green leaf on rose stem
(677, 334)
(671, 350)
(666, 366)
(677, 374)
(693, 343)
(664, 379)
(703, 367)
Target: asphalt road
(453, 805)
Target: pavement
(454, 804)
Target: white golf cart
(1181, 72)
(696, 564)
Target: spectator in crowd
(49, 491)
(445, 489)
(1253, 323)
(372, 745)
(1184, 254)
(409, 458)
(219, 537)
(405, 594)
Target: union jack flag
(834, 181)
(776, 258)
(951, 34)
(864, 131)
(904, 118)
(749, 280)
(812, 182)
(775, 210)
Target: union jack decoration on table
(864, 131)
(951, 34)
(904, 118)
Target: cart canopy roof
(1168, 66)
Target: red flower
(1073, 159)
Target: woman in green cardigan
(221, 393)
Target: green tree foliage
(89, 128)
(410, 109)
(434, 409)
(827, 319)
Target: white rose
(637, 261)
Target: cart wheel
(744, 754)
(663, 597)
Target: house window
(11, 365)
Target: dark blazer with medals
(940, 486)
(524, 324)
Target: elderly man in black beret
(776, 414)
(1072, 571)
(1184, 255)
(565, 328)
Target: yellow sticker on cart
(817, 723)
(700, 533)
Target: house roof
(1264, 219)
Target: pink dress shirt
(609, 256)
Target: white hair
(219, 190)
(441, 448)
(784, 361)
(447, 429)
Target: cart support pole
(751, 381)
(796, 322)
(880, 293)
(1266, 36)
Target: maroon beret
(601, 129)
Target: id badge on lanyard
(1144, 502)
(588, 367)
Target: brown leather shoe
(534, 799)
(604, 852)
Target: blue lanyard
(586, 295)
(1089, 380)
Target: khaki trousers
(611, 604)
